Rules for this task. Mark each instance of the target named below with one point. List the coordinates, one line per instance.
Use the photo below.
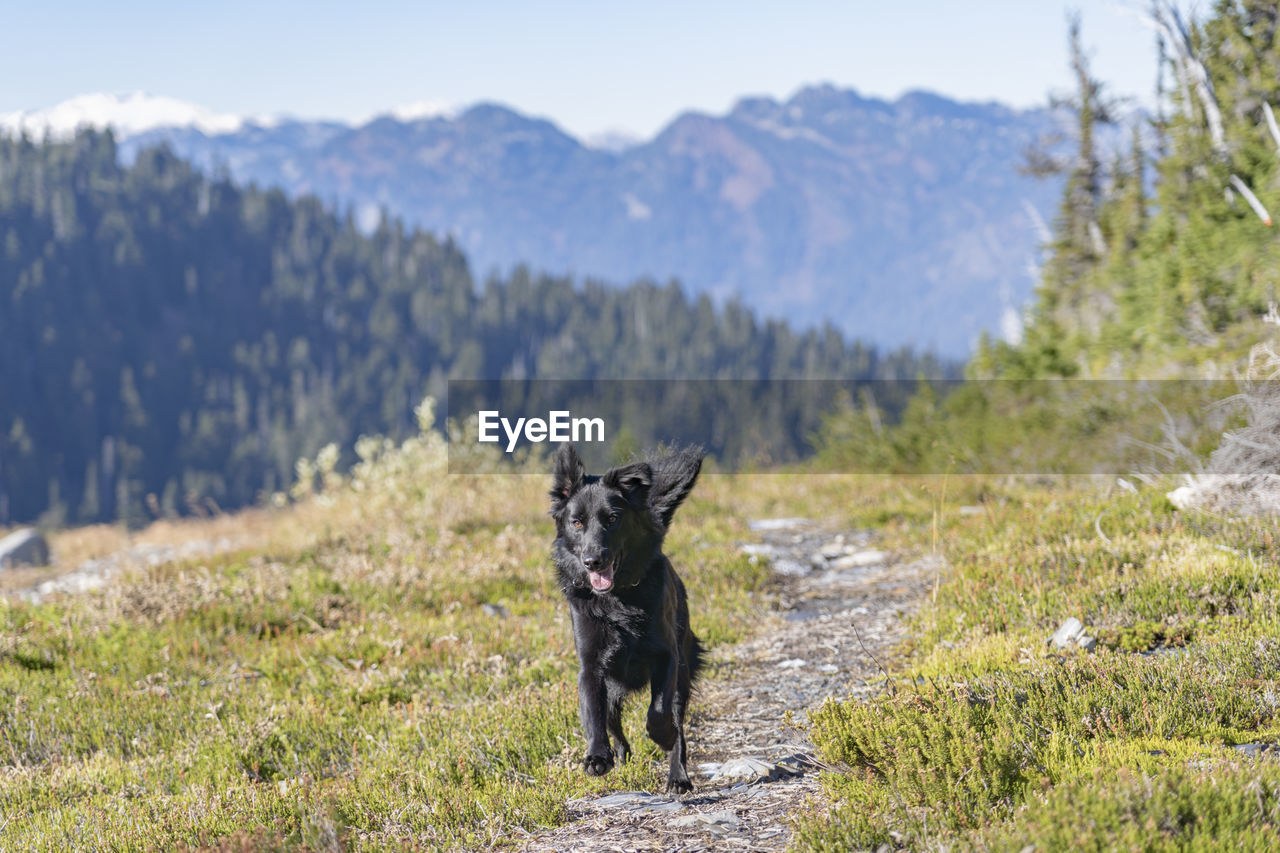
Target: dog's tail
(698, 657)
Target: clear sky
(590, 67)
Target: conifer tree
(1069, 306)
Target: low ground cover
(387, 663)
(1160, 738)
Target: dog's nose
(592, 561)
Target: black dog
(630, 611)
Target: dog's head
(609, 528)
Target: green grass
(341, 682)
(257, 694)
(989, 739)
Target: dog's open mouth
(601, 580)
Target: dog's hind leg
(671, 688)
(617, 693)
(660, 723)
(677, 776)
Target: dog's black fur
(629, 607)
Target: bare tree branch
(1257, 206)
(1271, 123)
(1191, 71)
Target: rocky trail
(839, 605)
(35, 585)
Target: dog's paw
(679, 786)
(598, 765)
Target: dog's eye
(577, 523)
(613, 516)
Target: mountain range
(901, 222)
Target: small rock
(860, 559)
(1183, 497)
(1071, 633)
(757, 549)
(970, 510)
(633, 801)
(785, 566)
(1067, 633)
(792, 663)
(25, 547)
(723, 818)
(778, 523)
(749, 769)
(834, 548)
(1254, 750)
(828, 668)
(496, 610)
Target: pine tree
(1070, 306)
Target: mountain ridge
(902, 221)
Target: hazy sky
(590, 67)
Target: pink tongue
(599, 581)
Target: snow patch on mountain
(127, 114)
(615, 140)
(423, 109)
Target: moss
(1146, 636)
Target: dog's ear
(673, 479)
(566, 477)
(632, 480)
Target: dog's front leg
(593, 696)
(592, 711)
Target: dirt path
(838, 608)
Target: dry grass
(386, 664)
